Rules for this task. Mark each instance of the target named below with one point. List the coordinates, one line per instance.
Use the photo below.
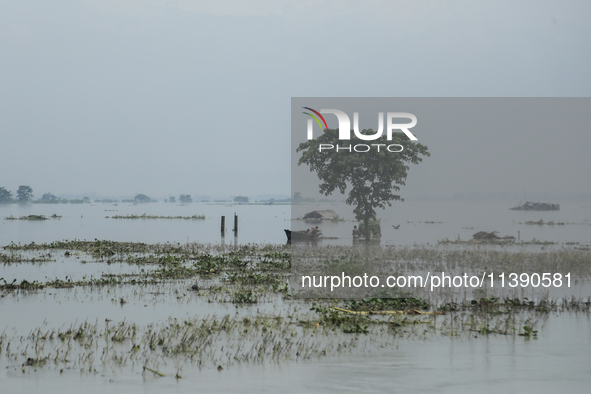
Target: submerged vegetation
(30, 217)
(542, 222)
(146, 216)
(269, 324)
(495, 241)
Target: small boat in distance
(300, 235)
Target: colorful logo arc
(315, 118)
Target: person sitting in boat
(315, 231)
(356, 232)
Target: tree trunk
(366, 225)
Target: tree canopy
(373, 177)
(24, 193)
(5, 195)
(241, 199)
(48, 197)
(142, 198)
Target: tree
(171, 199)
(373, 177)
(185, 198)
(142, 198)
(5, 195)
(48, 197)
(241, 199)
(24, 193)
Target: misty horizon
(118, 98)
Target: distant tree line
(24, 194)
(241, 199)
(142, 198)
(5, 195)
(183, 198)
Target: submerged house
(327, 214)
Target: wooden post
(223, 225)
(235, 224)
(518, 235)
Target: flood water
(257, 223)
(420, 222)
(558, 359)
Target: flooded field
(420, 222)
(163, 301)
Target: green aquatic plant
(387, 304)
(350, 324)
(244, 297)
(528, 331)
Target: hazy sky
(167, 97)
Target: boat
(537, 206)
(300, 235)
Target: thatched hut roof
(327, 214)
